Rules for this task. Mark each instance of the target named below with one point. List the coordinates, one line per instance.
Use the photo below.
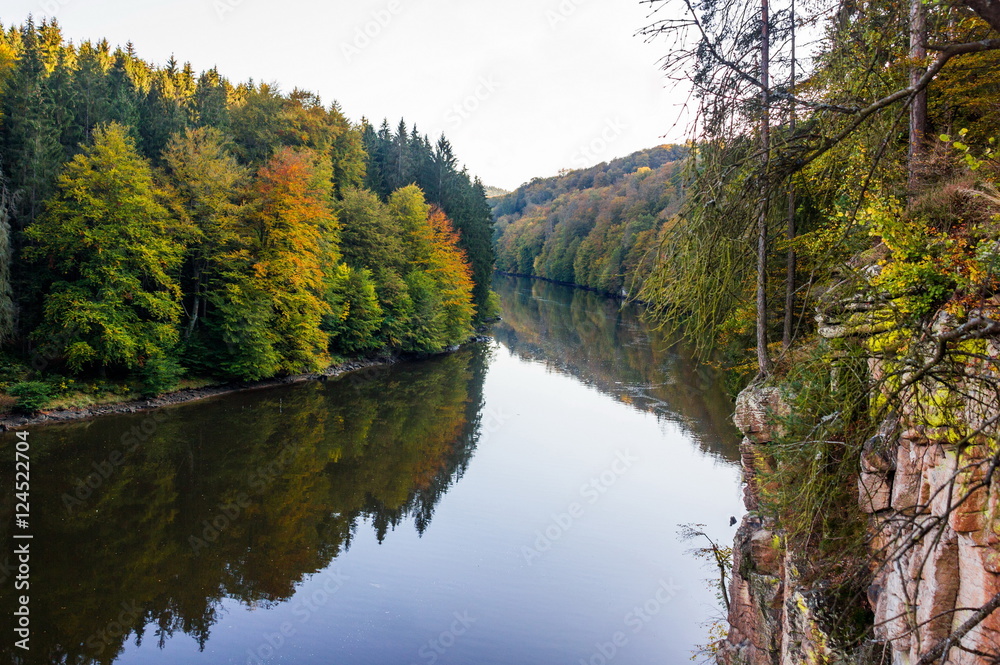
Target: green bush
(32, 396)
(159, 375)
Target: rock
(755, 605)
(804, 640)
(758, 413)
(874, 492)
(907, 481)
(765, 551)
(937, 589)
(976, 587)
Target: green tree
(111, 246)
(356, 315)
(206, 182)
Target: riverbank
(621, 297)
(55, 416)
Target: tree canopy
(155, 222)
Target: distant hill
(592, 227)
(493, 192)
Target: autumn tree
(438, 279)
(273, 305)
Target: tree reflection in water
(238, 497)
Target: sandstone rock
(894, 611)
(878, 455)
(969, 515)
(874, 492)
(937, 586)
(749, 463)
(976, 587)
(938, 475)
(758, 412)
(915, 435)
(907, 482)
(755, 602)
(804, 639)
(765, 550)
(991, 560)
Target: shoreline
(614, 296)
(187, 395)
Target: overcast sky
(522, 88)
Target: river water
(514, 503)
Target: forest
(158, 225)
(597, 227)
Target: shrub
(31, 396)
(160, 374)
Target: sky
(522, 88)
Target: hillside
(592, 227)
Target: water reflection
(611, 348)
(205, 520)
(240, 497)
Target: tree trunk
(763, 360)
(918, 107)
(195, 306)
(786, 337)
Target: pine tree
(29, 137)
(91, 88)
(211, 103)
(347, 152)
(7, 309)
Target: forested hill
(156, 222)
(593, 227)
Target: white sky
(522, 88)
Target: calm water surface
(513, 503)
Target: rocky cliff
(925, 483)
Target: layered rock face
(935, 544)
(936, 530)
(772, 619)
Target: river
(514, 503)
